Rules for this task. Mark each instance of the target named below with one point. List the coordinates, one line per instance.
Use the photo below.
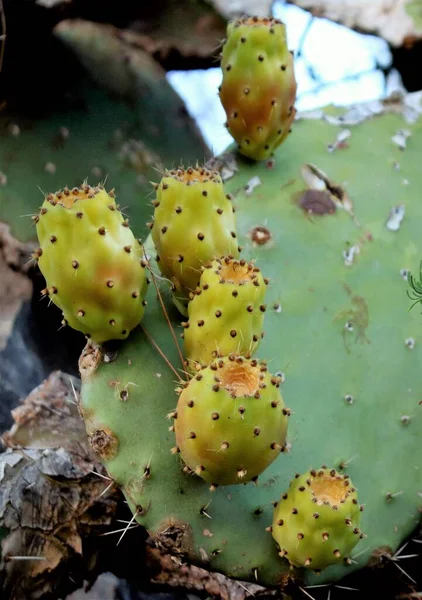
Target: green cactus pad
(92, 262)
(194, 223)
(258, 90)
(232, 405)
(227, 312)
(118, 121)
(316, 522)
(337, 326)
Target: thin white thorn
(127, 527)
(320, 585)
(347, 462)
(123, 521)
(361, 552)
(404, 572)
(26, 558)
(246, 589)
(130, 383)
(74, 392)
(400, 550)
(105, 490)
(99, 475)
(118, 530)
(306, 593)
(344, 587)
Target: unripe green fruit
(316, 522)
(227, 312)
(230, 421)
(92, 263)
(259, 87)
(194, 223)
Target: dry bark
(50, 500)
(15, 286)
(170, 570)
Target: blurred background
(334, 65)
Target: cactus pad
(227, 312)
(92, 262)
(259, 87)
(337, 326)
(193, 223)
(229, 406)
(316, 521)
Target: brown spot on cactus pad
(104, 443)
(317, 202)
(260, 235)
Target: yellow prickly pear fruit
(259, 86)
(194, 223)
(92, 263)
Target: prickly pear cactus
(232, 404)
(259, 86)
(193, 223)
(92, 263)
(227, 312)
(316, 520)
(335, 226)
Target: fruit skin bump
(258, 90)
(194, 223)
(316, 522)
(227, 312)
(230, 421)
(92, 263)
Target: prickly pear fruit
(92, 262)
(194, 223)
(259, 87)
(230, 421)
(227, 312)
(316, 523)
